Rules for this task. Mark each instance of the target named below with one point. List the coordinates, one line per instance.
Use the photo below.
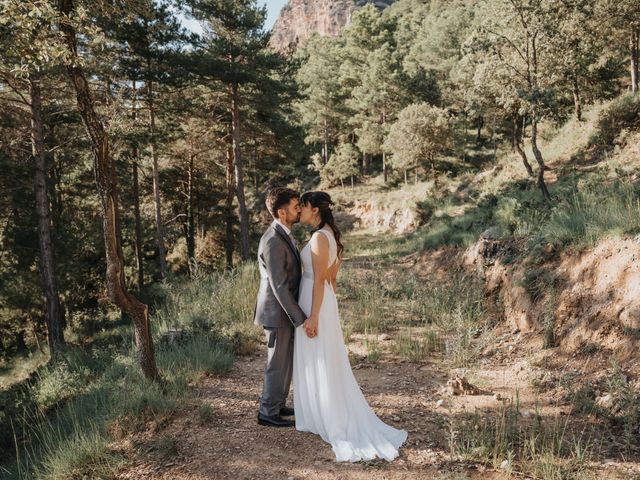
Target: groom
(277, 307)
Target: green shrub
(622, 113)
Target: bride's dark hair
(322, 201)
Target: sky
(273, 10)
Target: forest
(135, 156)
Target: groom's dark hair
(278, 198)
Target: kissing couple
(298, 309)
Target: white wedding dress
(326, 395)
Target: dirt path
(215, 435)
(230, 444)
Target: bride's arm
(334, 276)
(319, 259)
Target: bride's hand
(311, 327)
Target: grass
(221, 303)
(430, 315)
(17, 369)
(535, 446)
(66, 419)
(416, 348)
(373, 348)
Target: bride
(327, 398)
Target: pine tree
(322, 107)
(28, 54)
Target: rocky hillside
(299, 19)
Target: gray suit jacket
(280, 272)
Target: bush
(623, 113)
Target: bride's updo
(322, 201)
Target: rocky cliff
(299, 19)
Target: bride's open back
(326, 395)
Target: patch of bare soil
(593, 296)
(230, 444)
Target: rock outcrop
(299, 19)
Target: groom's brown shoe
(274, 421)
(287, 412)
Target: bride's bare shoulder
(319, 239)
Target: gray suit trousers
(277, 375)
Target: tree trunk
(533, 83)
(479, 125)
(239, 174)
(434, 172)
(517, 138)
(365, 163)
(156, 180)
(138, 223)
(352, 182)
(384, 155)
(463, 135)
(21, 344)
(54, 183)
(52, 311)
(634, 46)
(384, 166)
(36, 333)
(494, 137)
(538, 155)
(577, 104)
(406, 181)
(229, 209)
(136, 201)
(191, 233)
(106, 181)
(325, 148)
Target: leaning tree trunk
(538, 155)
(517, 138)
(533, 83)
(53, 311)
(156, 180)
(239, 174)
(106, 181)
(229, 217)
